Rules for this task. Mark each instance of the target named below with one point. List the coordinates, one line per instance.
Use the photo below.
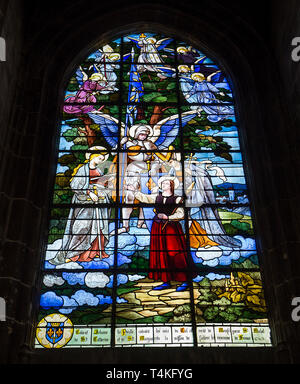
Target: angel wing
(214, 77)
(166, 131)
(167, 71)
(134, 40)
(161, 44)
(187, 79)
(109, 127)
(200, 60)
(99, 56)
(127, 56)
(81, 76)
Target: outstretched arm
(142, 197)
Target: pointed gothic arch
(151, 239)
(261, 121)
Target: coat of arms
(54, 331)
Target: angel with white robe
(107, 62)
(150, 58)
(86, 231)
(206, 229)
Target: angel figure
(197, 89)
(107, 62)
(85, 96)
(86, 232)
(206, 229)
(149, 57)
(107, 55)
(146, 150)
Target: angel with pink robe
(84, 100)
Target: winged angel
(102, 80)
(146, 150)
(150, 58)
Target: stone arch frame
(257, 117)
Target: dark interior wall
(46, 40)
(11, 29)
(284, 26)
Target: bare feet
(119, 231)
(141, 225)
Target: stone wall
(11, 275)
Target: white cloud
(50, 280)
(210, 253)
(135, 277)
(96, 280)
(71, 265)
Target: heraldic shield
(54, 331)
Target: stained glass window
(151, 240)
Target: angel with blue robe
(199, 90)
(147, 149)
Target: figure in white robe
(149, 57)
(205, 219)
(86, 232)
(107, 62)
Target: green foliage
(70, 134)
(160, 99)
(210, 313)
(73, 85)
(79, 147)
(195, 137)
(241, 226)
(154, 97)
(171, 86)
(66, 159)
(139, 262)
(230, 230)
(91, 316)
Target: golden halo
(97, 76)
(151, 40)
(99, 151)
(197, 76)
(183, 68)
(114, 56)
(182, 49)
